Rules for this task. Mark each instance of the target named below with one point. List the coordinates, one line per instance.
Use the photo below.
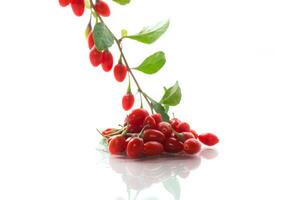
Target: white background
(236, 61)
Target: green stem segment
(118, 42)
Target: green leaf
(153, 63)
(172, 185)
(103, 38)
(172, 95)
(167, 107)
(160, 109)
(122, 2)
(150, 34)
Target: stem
(118, 42)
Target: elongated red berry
(208, 139)
(157, 117)
(135, 148)
(107, 61)
(64, 3)
(173, 146)
(77, 7)
(117, 144)
(135, 120)
(91, 40)
(175, 122)
(153, 148)
(165, 128)
(95, 57)
(183, 127)
(102, 8)
(154, 135)
(128, 101)
(120, 72)
(191, 146)
(149, 123)
(184, 136)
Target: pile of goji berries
(148, 135)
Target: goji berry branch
(118, 42)
(141, 133)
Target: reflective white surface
(165, 172)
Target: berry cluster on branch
(142, 133)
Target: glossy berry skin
(136, 119)
(157, 117)
(165, 128)
(117, 144)
(174, 123)
(102, 8)
(183, 127)
(107, 61)
(173, 146)
(134, 128)
(91, 40)
(127, 101)
(153, 148)
(149, 123)
(64, 3)
(120, 72)
(154, 135)
(95, 57)
(208, 139)
(77, 7)
(184, 136)
(191, 146)
(135, 148)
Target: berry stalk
(118, 42)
